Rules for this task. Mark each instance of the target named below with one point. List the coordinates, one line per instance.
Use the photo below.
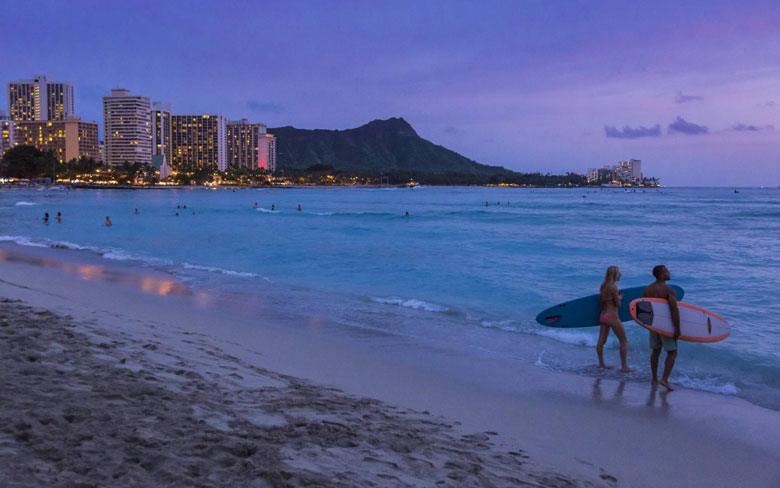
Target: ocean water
(455, 271)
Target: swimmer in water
(299, 207)
(46, 217)
(108, 222)
(59, 217)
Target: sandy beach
(113, 376)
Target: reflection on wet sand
(655, 394)
(150, 284)
(617, 396)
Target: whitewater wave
(412, 303)
(266, 210)
(568, 336)
(508, 325)
(213, 269)
(707, 384)
(122, 255)
(23, 241)
(23, 203)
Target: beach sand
(114, 376)
(86, 406)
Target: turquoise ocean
(468, 268)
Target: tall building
(60, 104)
(245, 144)
(268, 153)
(39, 99)
(629, 171)
(67, 139)
(128, 128)
(161, 130)
(6, 133)
(198, 141)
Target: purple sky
(691, 88)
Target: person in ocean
(108, 222)
(660, 289)
(46, 217)
(609, 297)
(300, 207)
(59, 217)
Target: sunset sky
(690, 88)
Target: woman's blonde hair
(610, 279)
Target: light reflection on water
(146, 283)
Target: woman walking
(610, 297)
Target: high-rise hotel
(198, 141)
(249, 145)
(40, 99)
(42, 114)
(66, 139)
(128, 128)
(6, 133)
(161, 130)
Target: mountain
(380, 146)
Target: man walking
(659, 289)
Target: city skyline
(691, 90)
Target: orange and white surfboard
(696, 323)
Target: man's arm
(672, 299)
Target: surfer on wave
(610, 297)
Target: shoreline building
(127, 128)
(67, 139)
(161, 130)
(199, 141)
(250, 146)
(268, 153)
(625, 171)
(38, 99)
(6, 133)
(629, 171)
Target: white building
(128, 128)
(629, 171)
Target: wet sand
(122, 371)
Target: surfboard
(696, 324)
(585, 311)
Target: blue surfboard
(585, 311)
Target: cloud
(682, 126)
(683, 98)
(450, 130)
(632, 132)
(260, 106)
(751, 128)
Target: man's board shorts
(657, 341)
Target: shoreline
(570, 424)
